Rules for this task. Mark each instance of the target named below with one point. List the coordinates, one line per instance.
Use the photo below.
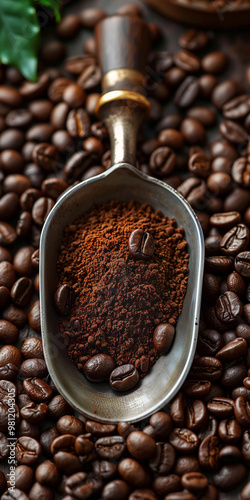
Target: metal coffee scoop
(123, 44)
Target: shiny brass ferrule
(124, 95)
(123, 79)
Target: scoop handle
(123, 43)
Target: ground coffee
(120, 299)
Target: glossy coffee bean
(33, 367)
(99, 430)
(37, 389)
(163, 337)
(68, 424)
(183, 440)
(110, 447)
(162, 161)
(141, 244)
(141, 446)
(99, 367)
(133, 473)
(116, 489)
(64, 299)
(206, 368)
(233, 350)
(162, 425)
(28, 450)
(230, 476)
(124, 377)
(228, 307)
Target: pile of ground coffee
(120, 300)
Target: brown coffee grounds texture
(120, 300)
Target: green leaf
(54, 6)
(19, 36)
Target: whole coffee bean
(171, 138)
(236, 284)
(242, 264)
(163, 485)
(187, 61)
(230, 476)
(110, 447)
(7, 234)
(225, 221)
(8, 371)
(37, 389)
(40, 491)
(196, 415)
(116, 489)
(214, 62)
(141, 446)
(46, 156)
(237, 108)
(68, 26)
(21, 292)
(196, 482)
(199, 165)
(184, 440)
(236, 240)
(238, 200)
(177, 410)
(105, 469)
(78, 123)
(243, 331)
(141, 244)
(193, 40)
(99, 368)
(34, 413)
(64, 299)
(4, 296)
(41, 209)
(207, 83)
(28, 450)
(223, 149)
(218, 264)
(242, 411)
(197, 388)
(77, 164)
(133, 473)
(187, 92)
(228, 307)
(58, 407)
(22, 261)
(230, 431)
(206, 367)
(85, 448)
(193, 189)
(124, 377)
(163, 337)
(224, 92)
(163, 459)
(7, 274)
(162, 161)
(10, 354)
(98, 429)
(233, 376)
(9, 333)
(68, 424)
(209, 453)
(233, 350)
(233, 132)
(193, 131)
(24, 477)
(209, 342)
(219, 183)
(162, 425)
(32, 348)
(142, 494)
(221, 407)
(33, 367)
(241, 172)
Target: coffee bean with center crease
(242, 411)
(28, 450)
(218, 264)
(184, 440)
(77, 164)
(64, 299)
(141, 244)
(209, 342)
(78, 485)
(162, 425)
(196, 482)
(235, 240)
(7, 234)
(99, 367)
(237, 108)
(233, 350)
(21, 292)
(187, 92)
(199, 165)
(228, 307)
(242, 264)
(104, 468)
(221, 407)
(99, 430)
(196, 415)
(194, 190)
(230, 431)
(41, 209)
(124, 377)
(78, 123)
(34, 413)
(46, 156)
(163, 459)
(230, 476)
(206, 367)
(37, 389)
(162, 161)
(197, 388)
(209, 453)
(110, 447)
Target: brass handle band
(124, 95)
(126, 77)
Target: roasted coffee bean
(221, 407)
(236, 284)
(21, 292)
(47, 438)
(10, 354)
(24, 477)
(187, 61)
(78, 123)
(193, 131)
(196, 415)
(243, 331)
(230, 431)
(8, 371)
(34, 413)
(105, 469)
(141, 244)
(46, 156)
(34, 317)
(40, 491)
(199, 165)
(177, 410)
(99, 368)
(171, 138)
(163, 337)
(47, 473)
(233, 132)
(41, 209)
(58, 407)
(224, 92)
(207, 83)
(187, 92)
(163, 459)
(37, 389)
(209, 453)
(206, 367)
(9, 333)
(7, 274)
(67, 462)
(242, 264)
(162, 161)
(219, 183)
(214, 62)
(236, 240)
(7, 234)
(4, 296)
(193, 189)
(74, 95)
(77, 164)
(64, 299)
(233, 350)
(229, 454)
(32, 348)
(133, 473)
(197, 388)
(209, 342)
(124, 377)
(230, 476)
(225, 221)
(68, 26)
(237, 108)
(238, 200)
(68, 424)
(242, 411)
(163, 485)
(228, 307)
(85, 448)
(33, 367)
(162, 425)
(218, 264)
(140, 445)
(111, 447)
(184, 440)
(100, 430)
(28, 450)
(196, 482)
(116, 489)
(193, 40)
(9, 206)
(233, 376)
(78, 484)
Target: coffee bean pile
(51, 139)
